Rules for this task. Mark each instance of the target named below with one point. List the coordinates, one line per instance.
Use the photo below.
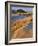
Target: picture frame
(20, 22)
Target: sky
(24, 8)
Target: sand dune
(17, 30)
(21, 22)
(22, 34)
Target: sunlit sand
(17, 30)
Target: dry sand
(20, 33)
